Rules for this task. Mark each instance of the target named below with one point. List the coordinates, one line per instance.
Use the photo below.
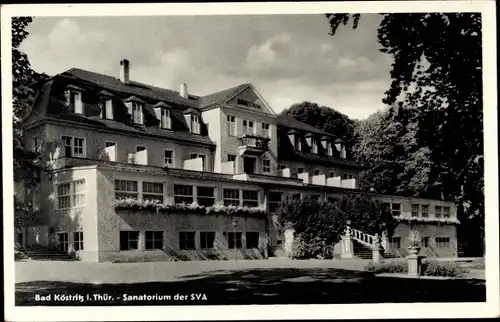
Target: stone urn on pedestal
(414, 259)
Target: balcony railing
(254, 142)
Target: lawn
(263, 285)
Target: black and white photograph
(188, 157)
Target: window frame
(412, 208)
(195, 124)
(176, 195)
(224, 198)
(443, 242)
(137, 112)
(73, 146)
(271, 203)
(246, 200)
(424, 214)
(165, 119)
(231, 155)
(231, 125)
(205, 197)
(172, 157)
(206, 242)
(129, 240)
(331, 174)
(78, 242)
(66, 242)
(255, 243)
(231, 241)
(202, 156)
(127, 192)
(143, 192)
(72, 194)
(436, 213)
(395, 240)
(152, 240)
(316, 172)
(183, 242)
(266, 168)
(266, 132)
(393, 211)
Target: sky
(288, 58)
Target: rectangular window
(265, 130)
(76, 102)
(274, 201)
(136, 113)
(206, 196)
(442, 242)
(446, 212)
(315, 197)
(314, 143)
(329, 149)
(252, 239)
(300, 170)
(395, 242)
(62, 242)
(183, 194)
(36, 147)
(396, 209)
(250, 198)
(106, 109)
(425, 241)
(331, 174)
(195, 124)
(298, 142)
(234, 239)
(248, 127)
(154, 239)
(316, 172)
(187, 240)
(168, 158)
(231, 125)
(425, 211)
(202, 156)
(166, 121)
(129, 240)
(78, 240)
(71, 194)
(437, 211)
(109, 143)
(231, 197)
(125, 189)
(74, 147)
(152, 191)
(231, 157)
(415, 210)
(266, 166)
(207, 239)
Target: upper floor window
(125, 189)
(437, 211)
(203, 159)
(75, 101)
(231, 125)
(316, 172)
(152, 191)
(298, 143)
(206, 196)
(266, 165)
(446, 212)
(248, 127)
(137, 117)
(165, 121)
(183, 194)
(250, 198)
(231, 197)
(415, 210)
(169, 159)
(425, 210)
(36, 147)
(231, 157)
(265, 130)
(396, 209)
(107, 108)
(74, 147)
(314, 147)
(71, 194)
(195, 124)
(329, 148)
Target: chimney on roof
(183, 91)
(124, 71)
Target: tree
(435, 100)
(324, 118)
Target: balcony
(253, 144)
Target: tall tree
(435, 99)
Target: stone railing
(363, 238)
(254, 141)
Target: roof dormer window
(314, 145)
(165, 120)
(137, 116)
(74, 99)
(195, 124)
(106, 105)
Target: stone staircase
(361, 250)
(363, 245)
(47, 254)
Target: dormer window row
(330, 147)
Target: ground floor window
(425, 241)
(78, 240)
(252, 240)
(129, 240)
(154, 239)
(442, 242)
(187, 240)
(274, 201)
(233, 239)
(62, 242)
(207, 239)
(395, 242)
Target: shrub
(429, 268)
(306, 248)
(449, 269)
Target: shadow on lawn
(265, 286)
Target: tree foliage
(435, 120)
(322, 223)
(324, 118)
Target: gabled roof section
(291, 122)
(222, 96)
(133, 88)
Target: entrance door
(62, 242)
(249, 165)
